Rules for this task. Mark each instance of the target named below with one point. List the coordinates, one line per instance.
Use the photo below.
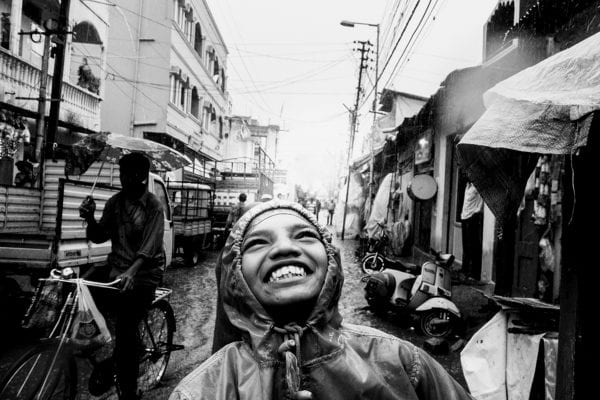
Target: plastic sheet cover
(544, 109)
(379, 212)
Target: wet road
(194, 300)
(194, 297)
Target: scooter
(426, 296)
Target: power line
(411, 43)
(405, 47)
(266, 107)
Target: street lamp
(352, 24)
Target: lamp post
(351, 24)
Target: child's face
(284, 261)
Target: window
(180, 93)
(195, 103)
(223, 80)
(198, 39)
(206, 118)
(174, 83)
(182, 96)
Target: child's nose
(284, 246)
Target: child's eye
(307, 234)
(253, 243)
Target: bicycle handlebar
(56, 276)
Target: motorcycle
(376, 257)
(426, 295)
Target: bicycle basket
(44, 308)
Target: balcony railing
(19, 78)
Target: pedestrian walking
(330, 211)
(133, 220)
(281, 280)
(317, 208)
(235, 212)
(311, 205)
(472, 228)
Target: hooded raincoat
(323, 356)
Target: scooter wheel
(437, 323)
(378, 307)
(372, 263)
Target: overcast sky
(291, 63)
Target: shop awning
(365, 158)
(544, 109)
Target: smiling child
(281, 282)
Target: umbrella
(110, 147)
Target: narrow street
(194, 300)
(194, 297)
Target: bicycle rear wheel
(44, 372)
(156, 336)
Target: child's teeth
(287, 271)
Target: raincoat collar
(247, 314)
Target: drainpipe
(16, 11)
(136, 68)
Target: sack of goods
(45, 308)
(89, 328)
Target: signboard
(423, 148)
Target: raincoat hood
(243, 309)
(319, 358)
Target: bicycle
(49, 370)
(377, 256)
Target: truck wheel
(190, 255)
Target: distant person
(330, 211)
(317, 208)
(311, 205)
(472, 228)
(397, 197)
(235, 212)
(25, 176)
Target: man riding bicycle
(134, 223)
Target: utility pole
(364, 49)
(372, 135)
(41, 117)
(57, 78)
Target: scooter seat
(407, 284)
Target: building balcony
(20, 83)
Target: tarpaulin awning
(544, 109)
(365, 158)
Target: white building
(21, 59)
(167, 78)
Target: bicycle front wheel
(46, 372)
(156, 338)
(372, 263)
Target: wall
(120, 68)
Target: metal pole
(354, 112)
(41, 117)
(349, 172)
(57, 78)
(371, 183)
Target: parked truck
(40, 228)
(192, 210)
